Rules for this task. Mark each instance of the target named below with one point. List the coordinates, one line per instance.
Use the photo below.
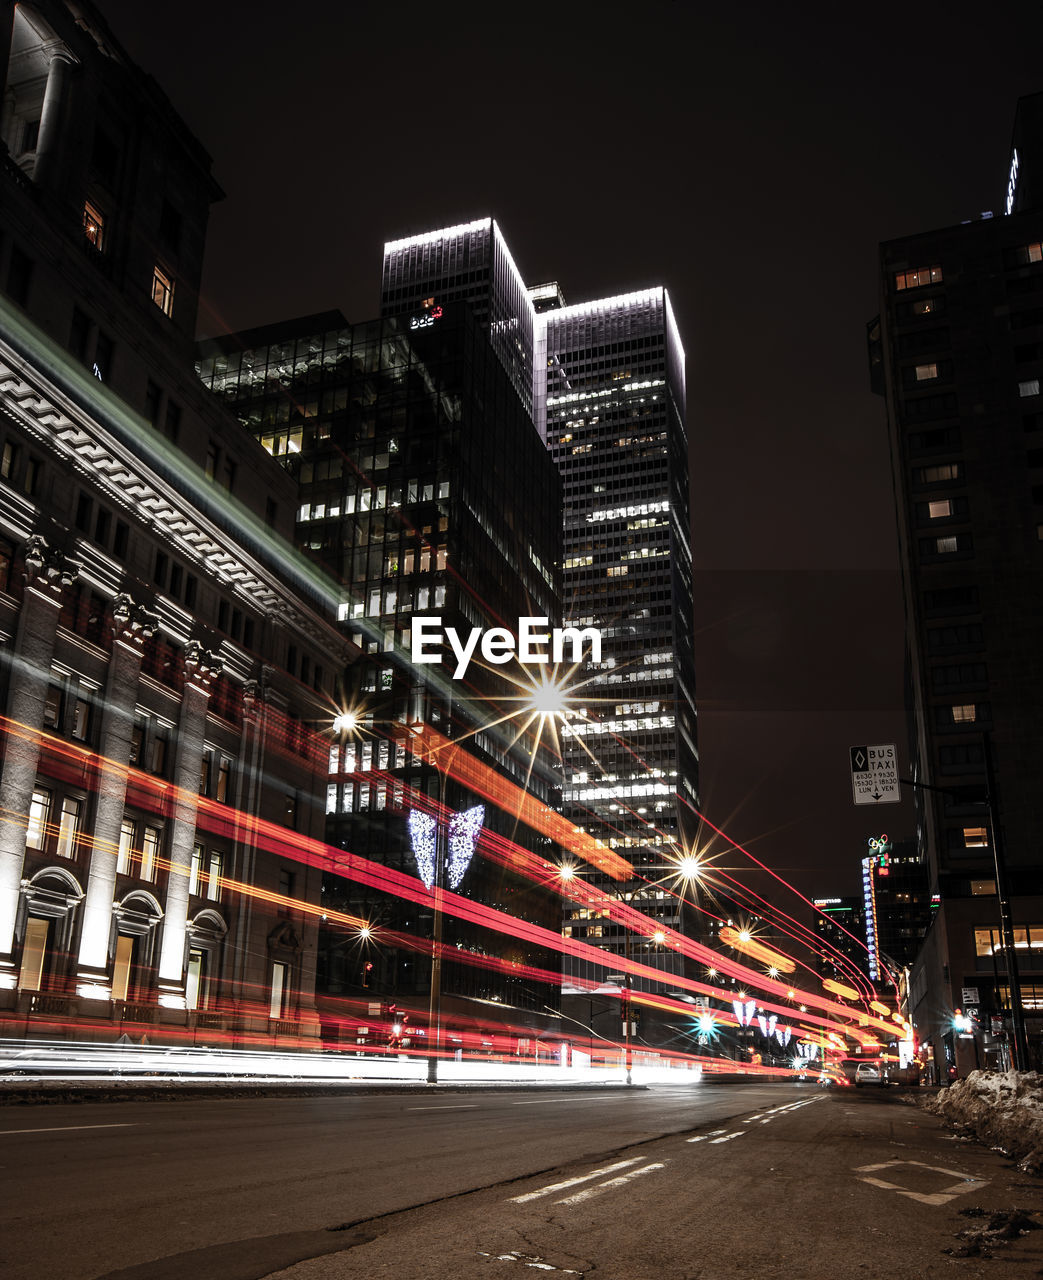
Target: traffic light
(367, 969)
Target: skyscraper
(608, 397)
(958, 354)
(426, 490)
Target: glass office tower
(608, 397)
(425, 489)
(614, 395)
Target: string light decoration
(464, 830)
(423, 837)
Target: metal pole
(434, 1011)
(626, 1004)
(1019, 1044)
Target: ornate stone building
(167, 664)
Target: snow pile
(1004, 1109)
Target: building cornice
(91, 434)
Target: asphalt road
(701, 1182)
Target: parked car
(868, 1073)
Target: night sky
(750, 158)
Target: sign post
(874, 774)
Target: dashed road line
(728, 1137)
(540, 1102)
(572, 1182)
(590, 1192)
(66, 1128)
(701, 1137)
(462, 1106)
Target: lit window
(195, 870)
(149, 853)
(68, 826)
(93, 227)
(924, 307)
(126, 849)
(966, 713)
(163, 291)
(81, 718)
(39, 816)
(946, 471)
(1034, 252)
(983, 889)
(975, 838)
(914, 279)
(213, 878)
(945, 546)
(1028, 388)
(925, 372)
(938, 510)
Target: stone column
(132, 625)
(201, 666)
(47, 574)
(247, 802)
(53, 120)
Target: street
(703, 1182)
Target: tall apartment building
(958, 355)
(840, 926)
(608, 397)
(159, 773)
(426, 491)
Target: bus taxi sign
(874, 774)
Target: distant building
(426, 491)
(161, 779)
(897, 906)
(840, 926)
(958, 355)
(605, 384)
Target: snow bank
(1003, 1109)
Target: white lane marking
(463, 1106)
(751, 1119)
(572, 1182)
(539, 1102)
(963, 1187)
(703, 1136)
(66, 1128)
(612, 1182)
(728, 1137)
(529, 1261)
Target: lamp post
(440, 834)
(624, 1004)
